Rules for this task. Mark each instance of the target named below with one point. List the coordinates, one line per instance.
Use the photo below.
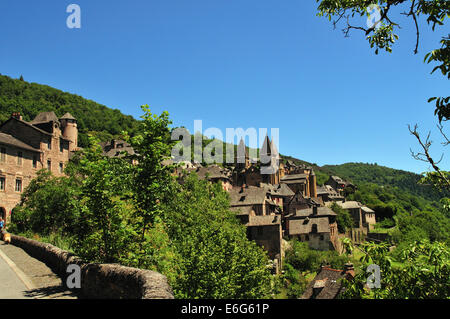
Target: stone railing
(99, 281)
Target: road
(11, 286)
(24, 277)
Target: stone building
(363, 219)
(329, 194)
(27, 147)
(317, 226)
(266, 232)
(339, 184)
(328, 282)
(269, 170)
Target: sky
(234, 63)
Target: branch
(426, 155)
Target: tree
(102, 231)
(217, 259)
(381, 35)
(424, 275)
(152, 181)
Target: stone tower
(70, 130)
(269, 158)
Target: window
(2, 183)
(61, 167)
(34, 161)
(49, 144)
(61, 146)
(321, 237)
(19, 158)
(18, 185)
(49, 165)
(2, 154)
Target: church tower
(70, 130)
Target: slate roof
(212, 172)
(321, 211)
(304, 226)
(45, 117)
(250, 195)
(67, 116)
(349, 204)
(264, 220)
(110, 151)
(10, 140)
(329, 281)
(280, 190)
(367, 210)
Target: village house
(328, 282)
(266, 232)
(363, 219)
(317, 226)
(339, 184)
(329, 194)
(27, 147)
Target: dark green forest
(31, 98)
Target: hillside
(360, 173)
(31, 98)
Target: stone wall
(99, 281)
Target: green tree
(218, 261)
(382, 35)
(103, 232)
(152, 181)
(425, 273)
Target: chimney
(349, 270)
(16, 115)
(314, 210)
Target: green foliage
(303, 258)
(295, 282)
(344, 219)
(31, 98)
(218, 260)
(110, 211)
(424, 275)
(407, 182)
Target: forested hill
(360, 173)
(31, 98)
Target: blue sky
(234, 63)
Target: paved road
(11, 286)
(23, 277)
